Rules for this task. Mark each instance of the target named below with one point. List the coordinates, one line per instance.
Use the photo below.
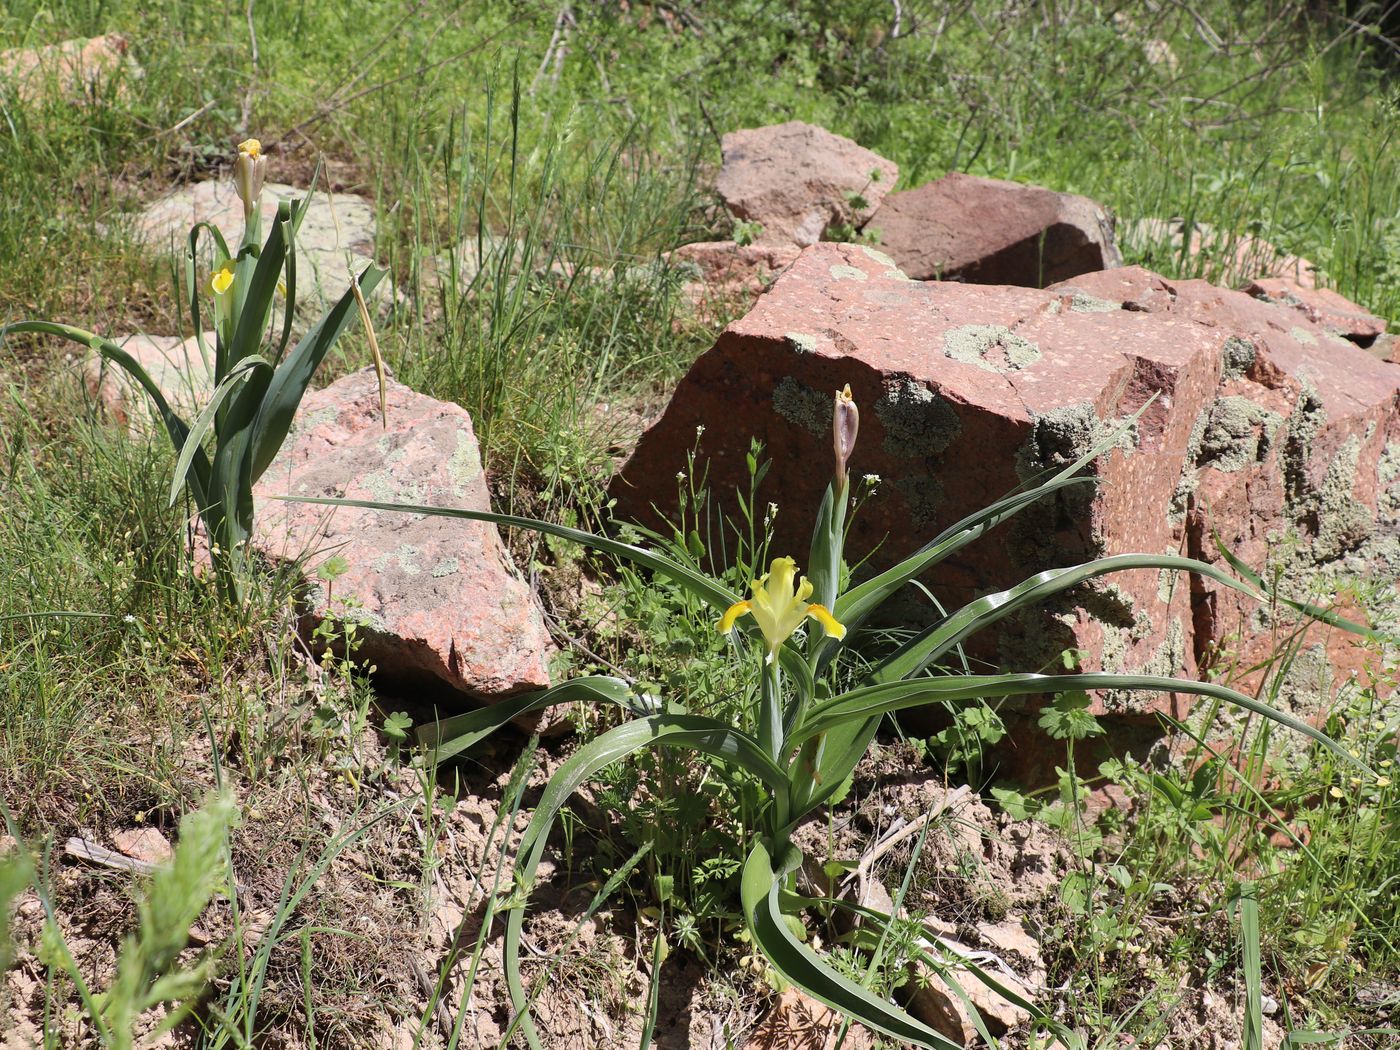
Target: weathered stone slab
(73, 69)
(988, 231)
(336, 238)
(437, 599)
(175, 365)
(1333, 311)
(1295, 464)
(1280, 436)
(726, 272)
(797, 180)
(965, 392)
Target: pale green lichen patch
(1237, 357)
(1167, 660)
(464, 465)
(405, 555)
(1237, 433)
(1062, 435)
(993, 347)
(446, 567)
(917, 421)
(1388, 475)
(885, 261)
(924, 495)
(1303, 425)
(801, 342)
(1303, 335)
(1343, 521)
(802, 406)
(841, 272)
(1083, 303)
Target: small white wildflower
(128, 618)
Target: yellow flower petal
(222, 279)
(829, 623)
(252, 147)
(726, 622)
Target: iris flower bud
(249, 170)
(845, 423)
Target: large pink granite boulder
(797, 180)
(967, 390)
(437, 599)
(988, 231)
(1295, 468)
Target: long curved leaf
(698, 584)
(177, 429)
(759, 888)
(896, 696)
(195, 439)
(451, 736)
(278, 406)
(935, 640)
(688, 731)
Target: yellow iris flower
(252, 147)
(779, 605)
(222, 279)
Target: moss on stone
(993, 347)
(464, 465)
(1237, 357)
(802, 406)
(917, 421)
(923, 494)
(848, 273)
(1083, 303)
(1344, 523)
(1237, 433)
(801, 342)
(1303, 335)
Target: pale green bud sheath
(249, 171)
(845, 424)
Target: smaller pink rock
(73, 69)
(143, 844)
(437, 599)
(729, 271)
(1322, 306)
(1235, 256)
(175, 365)
(989, 231)
(797, 180)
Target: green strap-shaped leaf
(759, 888)
(175, 427)
(193, 288)
(695, 732)
(205, 420)
(1314, 611)
(896, 696)
(937, 639)
(260, 288)
(293, 375)
(860, 601)
(701, 586)
(451, 736)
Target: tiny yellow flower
(222, 279)
(1382, 782)
(1336, 792)
(252, 147)
(779, 605)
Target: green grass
(571, 178)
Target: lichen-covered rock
(76, 69)
(797, 180)
(966, 391)
(724, 272)
(175, 365)
(989, 231)
(1323, 306)
(1263, 423)
(1294, 466)
(436, 600)
(335, 240)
